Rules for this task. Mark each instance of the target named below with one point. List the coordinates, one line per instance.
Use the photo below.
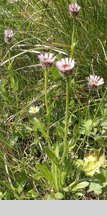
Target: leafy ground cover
(53, 136)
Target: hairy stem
(66, 120)
(72, 42)
(46, 104)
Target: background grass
(26, 168)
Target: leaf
(45, 172)
(33, 193)
(59, 196)
(10, 66)
(80, 186)
(1, 195)
(86, 127)
(69, 187)
(41, 127)
(96, 188)
(55, 73)
(92, 164)
(50, 197)
(14, 84)
(88, 124)
(91, 168)
(103, 174)
(104, 124)
(53, 157)
(79, 194)
(37, 176)
(64, 175)
(21, 182)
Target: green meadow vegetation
(53, 126)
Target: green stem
(66, 120)
(72, 42)
(46, 104)
(46, 86)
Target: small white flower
(74, 9)
(46, 59)
(66, 66)
(34, 110)
(95, 81)
(8, 35)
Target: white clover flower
(46, 59)
(66, 66)
(34, 110)
(8, 35)
(74, 8)
(94, 81)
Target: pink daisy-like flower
(66, 66)
(94, 81)
(46, 59)
(8, 35)
(74, 9)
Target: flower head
(34, 110)
(46, 59)
(8, 35)
(95, 81)
(66, 66)
(74, 8)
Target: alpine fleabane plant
(46, 59)
(8, 35)
(94, 81)
(66, 66)
(74, 9)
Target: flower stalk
(72, 42)
(67, 95)
(46, 104)
(66, 69)
(66, 118)
(46, 61)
